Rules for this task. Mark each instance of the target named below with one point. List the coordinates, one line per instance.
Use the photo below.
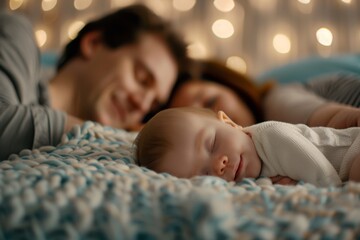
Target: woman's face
(216, 97)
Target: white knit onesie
(319, 155)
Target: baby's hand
(283, 180)
(354, 174)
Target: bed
(89, 187)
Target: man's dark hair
(125, 26)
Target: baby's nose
(220, 165)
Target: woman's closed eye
(204, 172)
(210, 103)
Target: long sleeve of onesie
(321, 156)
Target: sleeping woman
(330, 101)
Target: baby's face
(205, 145)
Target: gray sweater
(26, 120)
(295, 102)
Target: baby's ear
(226, 119)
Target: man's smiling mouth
(119, 108)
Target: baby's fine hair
(153, 141)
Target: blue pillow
(306, 69)
(49, 59)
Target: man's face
(205, 145)
(121, 85)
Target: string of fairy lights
(246, 34)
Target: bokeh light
(41, 37)
(47, 5)
(346, 1)
(197, 50)
(236, 63)
(15, 4)
(224, 5)
(305, 6)
(324, 36)
(74, 28)
(183, 5)
(304, 1)
(281, 43)
(223, 28)
(82, 4)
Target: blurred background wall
(250, 35)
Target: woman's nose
(220, 165)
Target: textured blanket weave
(88, 187)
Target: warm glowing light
(75, 28)
(41, 37)
(223, 28)
(15, 4)
(264, 5)
(82, 4)
(281, 43)
(47, 5)
(236, 63)
(304, 1)
(324, 36)
(305, 6)
(159, 7)
(224, 5)
(346, 1)
(121, 3)
(197, 50)
(183, 5)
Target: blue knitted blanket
(88, 187)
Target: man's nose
(220, 164)
(143, 101)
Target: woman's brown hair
(246, 88)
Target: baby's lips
(238, 169)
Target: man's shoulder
(10, 18)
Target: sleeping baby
(187, 142)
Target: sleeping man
(187, 142)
